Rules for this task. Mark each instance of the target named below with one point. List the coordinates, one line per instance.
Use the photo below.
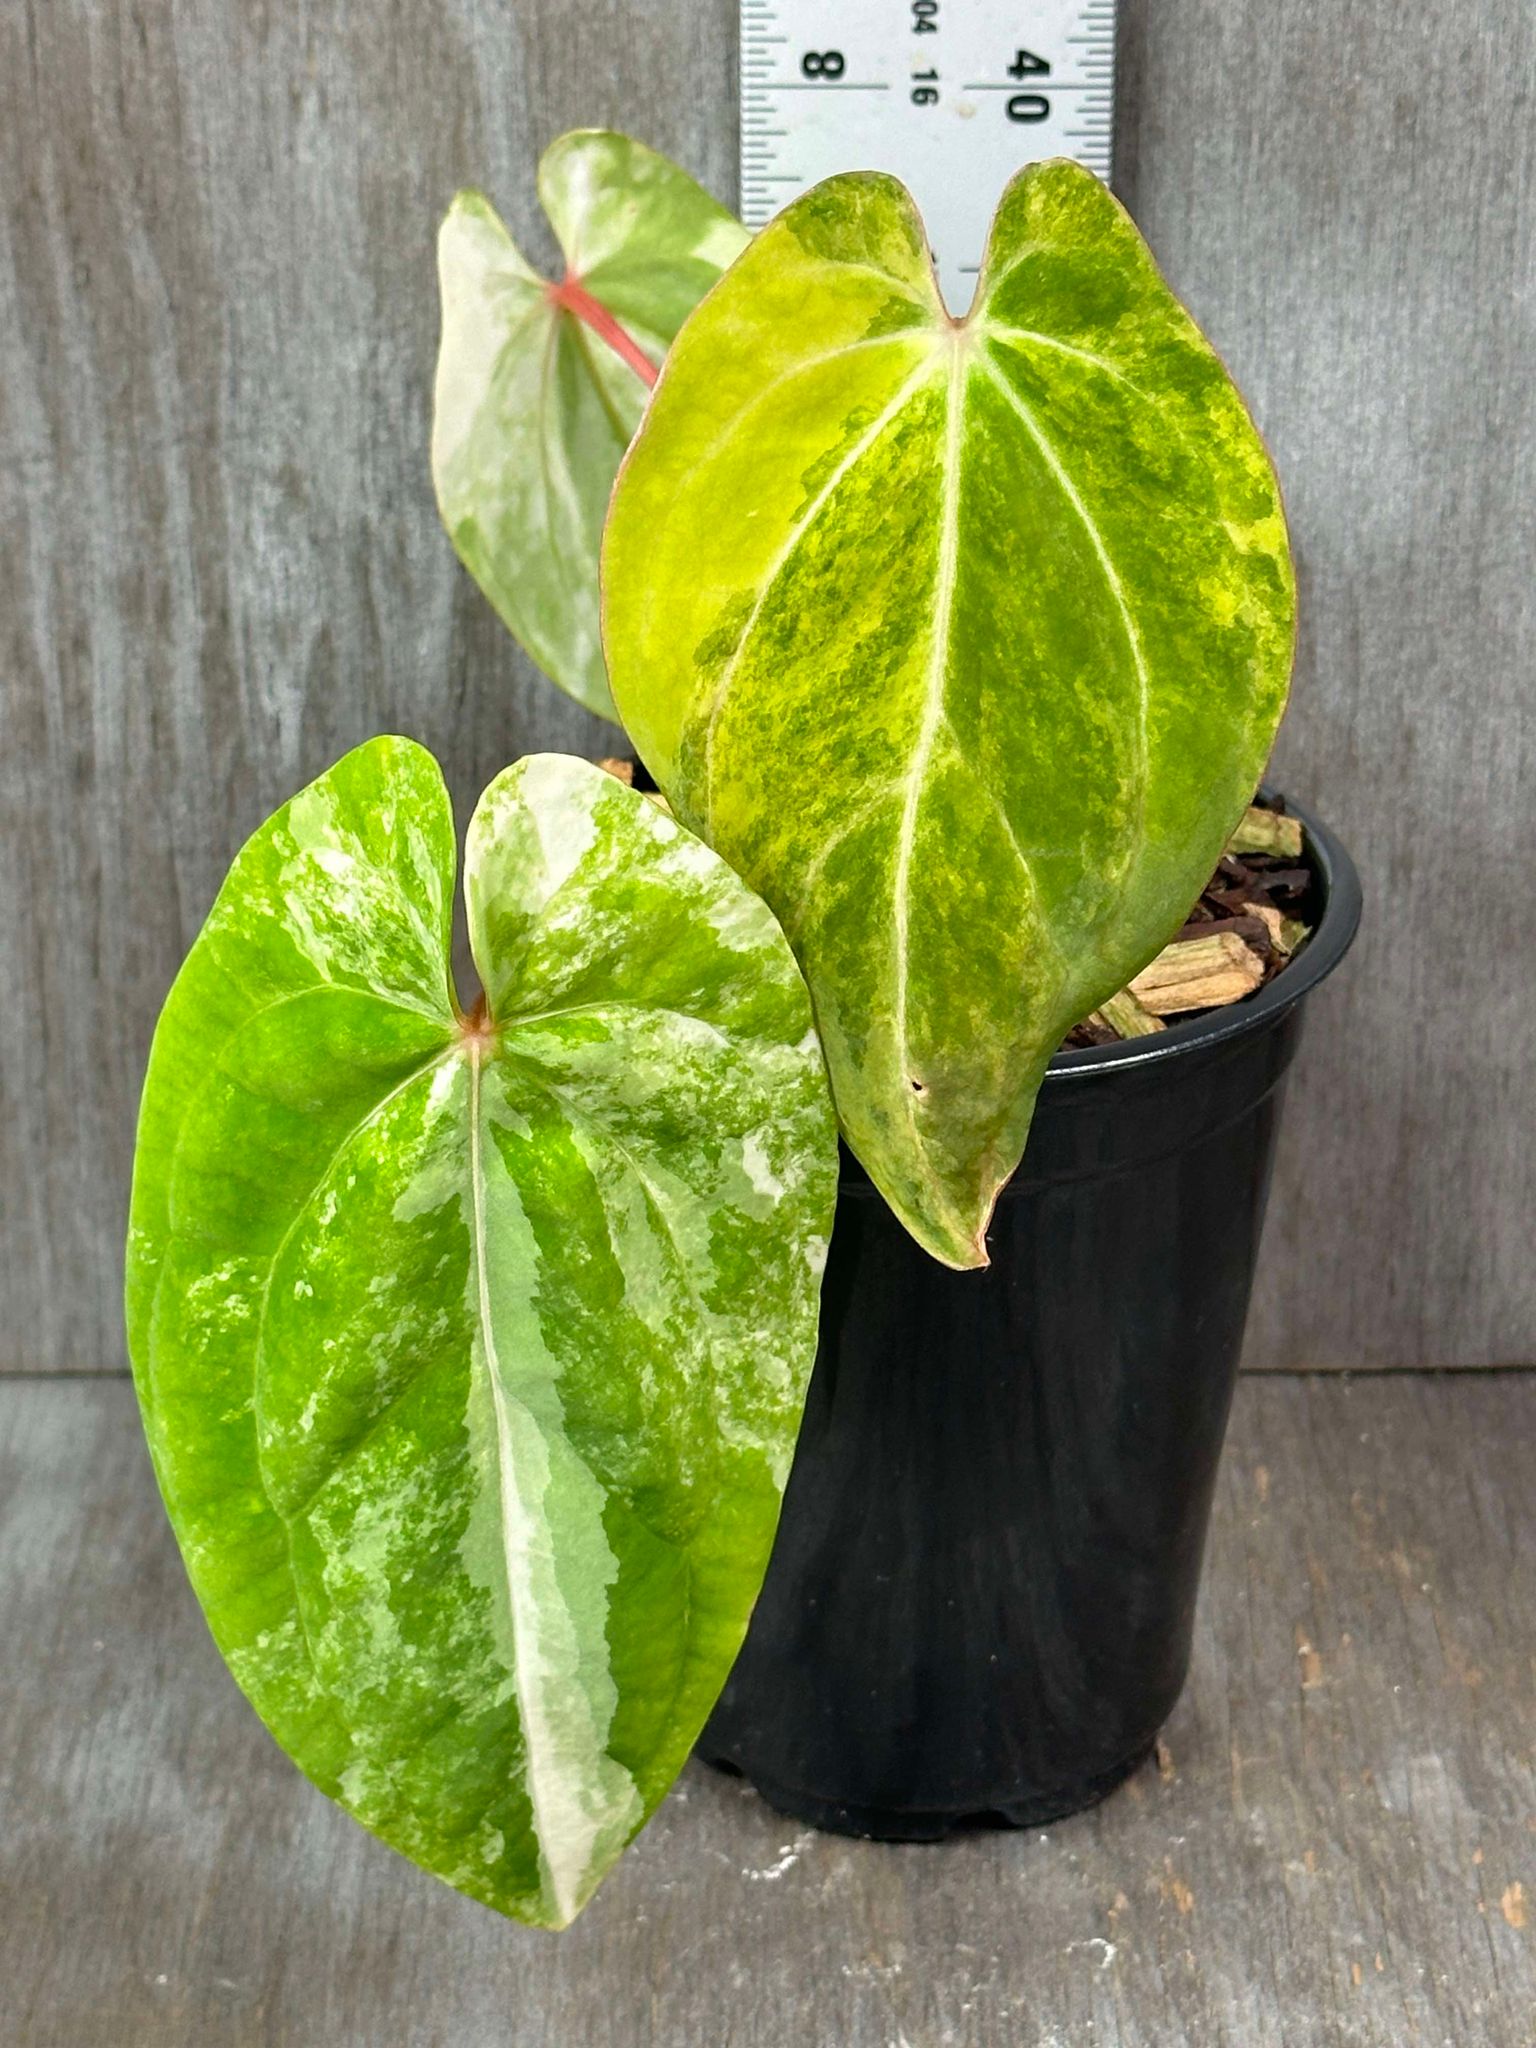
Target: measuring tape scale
(951, 96)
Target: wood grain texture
(222, 565)
(1346, 196)
(1337, 1846)
(222, 562)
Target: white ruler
(951, 95)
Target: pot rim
(1324, 949)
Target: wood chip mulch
(1251, 917)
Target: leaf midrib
(506, 1031)
(945, 577)
(525, 1624)
(977, 330)
(523, 1631)
(529, 1713)
(561, 1097)
(970, 351)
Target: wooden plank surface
(1346, 195)
(222, 565)
(222, 562)
(1337, 1848)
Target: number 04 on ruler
(950, 95)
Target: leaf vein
(258, 1342)
(1111, 575)
(888, 414)
(1068, 348)
(794, 918)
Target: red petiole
(573, 297)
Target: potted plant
(473, 1339)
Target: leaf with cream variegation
(540, 382)
(472, 1351)
(964, 641)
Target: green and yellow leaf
(471, 1352)
(963, 641)
(540, 382)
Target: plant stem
(573, 297)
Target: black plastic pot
(981, 1598)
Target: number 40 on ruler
(952, 96)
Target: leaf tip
(468, 206)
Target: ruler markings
(952, 96)
(1041, 85)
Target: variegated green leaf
(964, 641)
(540, 383)
(472, 1351)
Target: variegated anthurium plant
(472, 1348)
(541, 382)
(472, 1345)
(964, 642)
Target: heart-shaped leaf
(472, 1351)
(965, 642)
(540, 383)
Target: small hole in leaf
(917, 1086)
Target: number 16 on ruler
(952, 96)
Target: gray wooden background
(220, 564)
